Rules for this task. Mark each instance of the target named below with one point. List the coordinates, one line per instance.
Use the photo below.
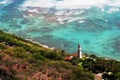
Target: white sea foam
(81, 21)
(106, 20)
(79, 12)
(25, 16)
(59, 13)
(71, 4)
(73, 19)
(5, 3)
(114, 9)
(33, 11)
(75, 7)
(38, 43)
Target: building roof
(69, 58)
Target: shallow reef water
(96, 29)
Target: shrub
(75, 60)
(20, 52)
(2, 46)
(38, 56)
(53, 56)
(81, 75)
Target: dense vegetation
(23, 60)
(109, 68)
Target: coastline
(43, 45)
(53, 48)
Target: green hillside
(23, 60)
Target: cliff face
(24, 60)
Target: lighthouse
(79, 51)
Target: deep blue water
(97, 30)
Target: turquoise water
(97, 31)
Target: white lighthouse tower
(79, 51)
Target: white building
(79, 51)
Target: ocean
(64, 24)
